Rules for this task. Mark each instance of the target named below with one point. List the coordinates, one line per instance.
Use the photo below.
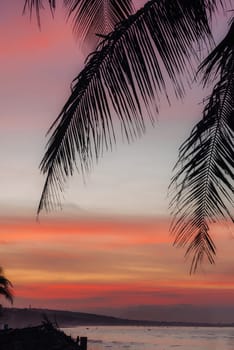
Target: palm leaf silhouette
(97, 17)
(5, 287)
(90, 17)
(203, 183)
(38, 5)
(129, 69)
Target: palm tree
(203, 183)
(131, 68)
(5, 287)
(89, 17)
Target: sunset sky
(109, 250)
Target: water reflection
(145, 338)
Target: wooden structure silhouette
(43, 337)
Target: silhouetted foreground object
(105, 14)
(203, 183)
(44, 337)
(6, 287)
(150, 54)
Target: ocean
(150, 338)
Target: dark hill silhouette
(20, 318)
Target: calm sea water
(150, 338)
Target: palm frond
(92, 19)
(129, 69)
(203, 183)
(38, 5)
(5, 287)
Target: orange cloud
(141, 232)
(120, 261)
(125, 294)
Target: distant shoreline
(20, 318)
